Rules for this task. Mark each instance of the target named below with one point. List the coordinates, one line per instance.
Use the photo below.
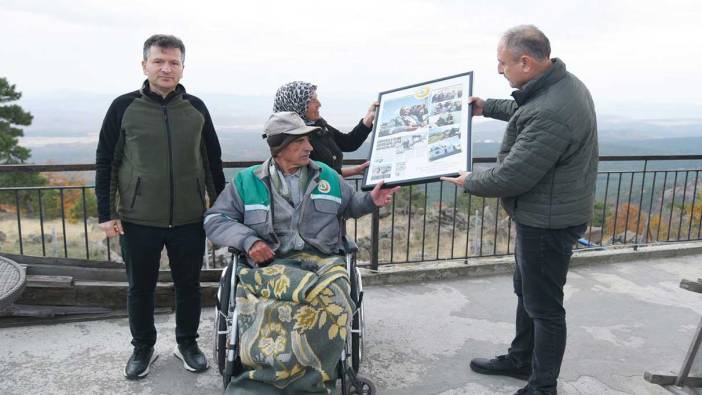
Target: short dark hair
(527, 39)
(164, 41)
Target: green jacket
(242, 213)
(255, 195)
(547, 164)
(156, 158)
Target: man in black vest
(545, 175)
(157, 156)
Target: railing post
(41, 224)
(375, 235)
(63, 229)
(19, 221)
(638, 220)
(85, 223)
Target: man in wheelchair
(293, 303)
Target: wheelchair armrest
(240, 256)
(349, 245)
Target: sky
(638, 58)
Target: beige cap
(286, 122)
(282, 128)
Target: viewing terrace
(453, 251)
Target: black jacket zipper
(136, 191)
(170, 163)
(199, 192)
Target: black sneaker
(193, 359)
(528, 391)
(138, 364)
(522, 391)
(501, 365)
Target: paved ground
(623, 319)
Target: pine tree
(12, 114)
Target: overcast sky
(637, 57)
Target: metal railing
(639, 200)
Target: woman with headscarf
(328, 143)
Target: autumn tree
(627, 221)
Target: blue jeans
(543, 257)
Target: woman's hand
(354, 170)
(370, 116)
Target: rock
(36, 238)
(446, 216)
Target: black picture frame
(411, 127)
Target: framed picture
(421, 132)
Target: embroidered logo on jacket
(324, 186)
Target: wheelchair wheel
(357, 324)
(230, 368)
(220, 326)
(227, 373)
(363, 386)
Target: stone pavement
(624, 318)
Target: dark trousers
(543, 257)
(141, 250)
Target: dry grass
(53, 237)
(416, 238)
(425, 241)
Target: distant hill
(66, 126)
(247, 145)
(657, 146)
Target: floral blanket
(294, 317)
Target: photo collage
(445, 123)
(424, 125)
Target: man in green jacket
(545, 175)
(157, 156)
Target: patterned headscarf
(294, 96)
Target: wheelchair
(226, 351)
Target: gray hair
(527, 39)
(164, 41)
